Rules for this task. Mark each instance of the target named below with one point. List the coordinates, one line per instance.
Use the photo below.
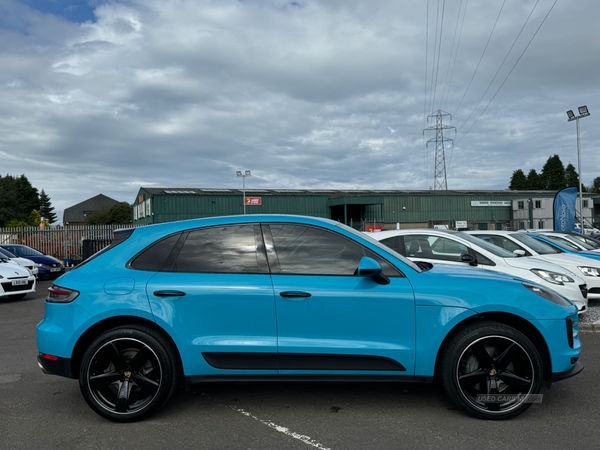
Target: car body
(29, 264)
(48, 266)
(529, 246)
(16, 281)
(292, 298)
(449, 247)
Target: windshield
(6, 253)
(572, 239)
(584, 240)
(493, 249)
(536, 245)
(380, 246)
(564, 243)
(24, 252)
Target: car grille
(584, 290)
(594, 291)
(8, 287)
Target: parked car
(288, 298)
(16, 281)
(29, 264)
(48, 266)
(455, 247)
(583, 238)
(570, 239)
(526, 244)
(566, 246)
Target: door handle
(169, 293)
(294, 294)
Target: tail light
(57, 294)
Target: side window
(396, 243)
(153, 257)
(434, 247)
(313, 251)
(482, 260)
(502, 242)
(222, 249)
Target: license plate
(55, 269)
(19, 282)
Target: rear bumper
(53, 365)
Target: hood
(571, 259)
(529, 263)
(46, 259)
(13, 270)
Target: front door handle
(169, 293)
(294, 294)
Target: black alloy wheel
(128, 373)
(492, 371)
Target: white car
(16, 281)
(570, 241)
(459, 248)
(588, 268)
(29, 264)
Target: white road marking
(306, 439)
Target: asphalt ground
(39, 411)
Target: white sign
(491, 203)
(461, 224)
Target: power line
(435, 48)
(511, 70)
(452, 50)
(501, 65)
(437, 70)
(481, 58)
(457, 48)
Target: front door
(329, 320)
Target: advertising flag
(564, 209)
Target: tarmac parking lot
(40, 411)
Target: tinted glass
(314, 251)
(223, 249)
(536, 245)
(153, 257)
(493, 249)
(6, 253)
(501, 241)
(434, 247)
(24, 251)
(396, 243)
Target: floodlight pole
(583, 112)
(247, 173)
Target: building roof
(77, 213)
(332, 192)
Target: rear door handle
(169, 293)
(294, 294)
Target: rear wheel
(491, 371)
(128, 373)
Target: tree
(595, 187)
(17, 199)
(34, 219)
(534, 181)
(46, 208)
(116, 214)
(518, 181)
(571, 176)
(553, 174)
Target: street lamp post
(583, 112)
(244, 175)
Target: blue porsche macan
(289, 298)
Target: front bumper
(578, 367)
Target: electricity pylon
(441, 181)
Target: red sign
(254, 201)
(372, 229)
(141, 199)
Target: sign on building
(254, 201)
(490, 203)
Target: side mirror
(368, 267)
(468, 258)
(519, 252)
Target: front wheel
(492, 371)
(128, 373)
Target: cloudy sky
(107, 96)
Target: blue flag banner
(564, 209)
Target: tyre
(491, 370)
(128, 373)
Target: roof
(332, 192)
(75, 213)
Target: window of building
(585, 203)
(541, 224)
(537, 204)
(148, 207)
(521, 204)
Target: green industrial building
(362, 209)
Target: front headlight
(552, 277)
(39, 265)
(590, 271)
(548, 294)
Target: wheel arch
(519, 323)
(97, 329)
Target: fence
(62, 242)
